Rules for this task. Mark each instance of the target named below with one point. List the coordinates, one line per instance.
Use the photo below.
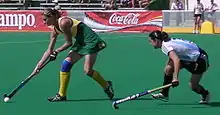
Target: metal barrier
(177, 18)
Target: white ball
(6, 99)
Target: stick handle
(159, 88)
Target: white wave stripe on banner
(91, 23)
(156, 22)
(116, 29)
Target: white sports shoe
(160, 96)
(194, 31)
(205, 99)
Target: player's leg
(198, 24)
(198, 88)
(168, 76)
(197, 69)
(90, 60)
(195, 24)
(65, 71)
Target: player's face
(155, 43)
(48, 20)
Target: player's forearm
(44, 57)
(64, 47)
(176, 69)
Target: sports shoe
(110, 91)
(194, 31)
(57, 98)
(160, 96)
(205, 99)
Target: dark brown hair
(160, 35)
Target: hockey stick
(7, 97)
(135, 96)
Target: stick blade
(114, 105)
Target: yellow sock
(64, 80)
(98, 78)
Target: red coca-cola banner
(23, 21)
(124, 21)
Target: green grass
(129, 61)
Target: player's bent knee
(88, 71)
(168, 70)
(66, 66)
(190, 85)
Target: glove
(53, 55)
(175, 83)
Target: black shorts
(198, 67)
(198, 15)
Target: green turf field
(129, 61)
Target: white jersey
(198, 8)
(212, 7)
(185, 50)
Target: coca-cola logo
(129, 19)
(17, 20)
